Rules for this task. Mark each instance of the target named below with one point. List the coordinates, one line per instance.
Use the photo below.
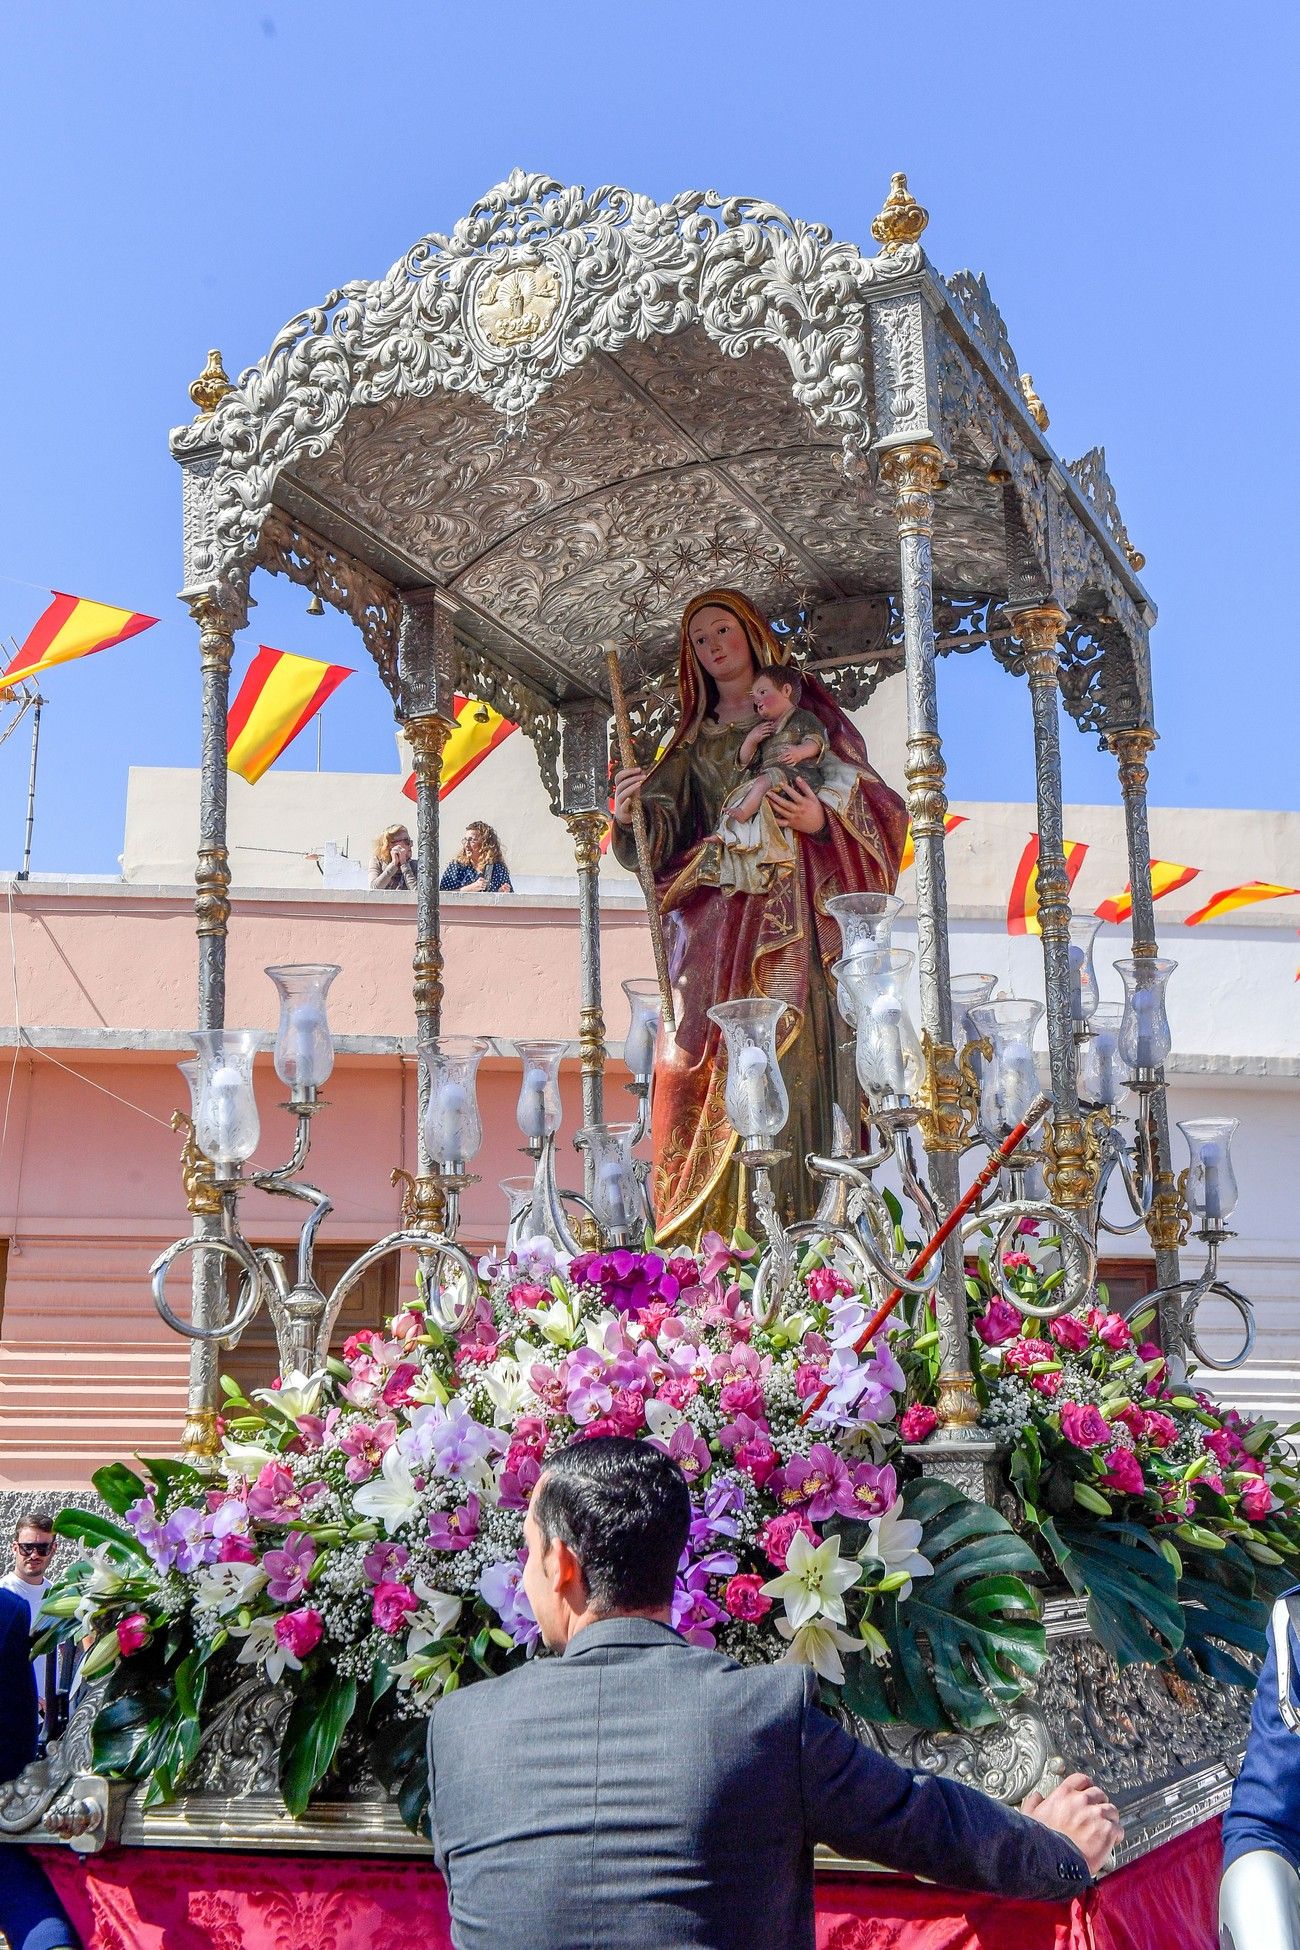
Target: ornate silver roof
(578, 407)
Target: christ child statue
(784, 745)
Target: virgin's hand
(627, 789)
(797, 807)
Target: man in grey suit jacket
(639, 1793)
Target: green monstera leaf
(1222, 1608)
(1129, 1584)
(966, 1640)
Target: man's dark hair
(34, 1518)
(785, 677)
(624, 1510)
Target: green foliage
(396, 1746)
(321, 1712)
(1219, 1595)
(85, 1527)
(965, 1641)
(1129, 1584)
(119, 1486)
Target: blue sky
(179, 176)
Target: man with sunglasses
(33, 1555)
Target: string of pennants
(282, 693)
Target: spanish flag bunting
(950, 823)
(1166, 878)
(72, 627)
(1022, 908)
(279, 695)
(1245, 895)
(479, 730)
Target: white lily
(423, 1679)
(813, 1581)
(297, 1394)
(245, 1458)
(893, 1543)
(559, 1324)
(224, 1587)
(662, 1419)
(509, 1393)
(262, 1648)
(818, 1645)
(391, 1498)
(438, 1612)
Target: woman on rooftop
(478, 868)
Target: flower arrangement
(1176, 1517)
(361, 1539)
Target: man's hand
(627, 789)
(797, 807)
(1083, 1814)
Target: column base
(970, 1459)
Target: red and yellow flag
(479, 730)
(280, 694)
(1166, 878)
(1245, 895)
(1022, 908)
(73, 627)
(950, 823)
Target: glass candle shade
(539, 1111)
(888, 1051)
(1010, 1081)
(967, 992)
(227, 1127)
(192, 1069)
(614, 1195)
(519, 1195)
(1144, 1035)
(756, 1100)
(1084, 994)
(646, 1005)
(1211, 1184)
(864, 920)
(304, 1048)
(453, 1130)
(1099, 1069)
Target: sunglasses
(35, 1550)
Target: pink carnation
(1016, 1262)
(1123, 1472)
(742, 1396)
(677, 1390)
(391, 1605)
(1161, 1429)
(1046, 1384)
(1028, 1353)
(528, 1294)
(743, 1597)
(917, 1422)
(824, 1283)
(999, 1322)
(1070, 1333)
(1223, 1445)
(1084, 1425)
(299, 1632)
(778, 1533)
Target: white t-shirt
(33, 1593)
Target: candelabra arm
(1078, 1255)
(642, 1089)
(1188, 1295)
(272, 1181)
(227, 1245)
(776, 1270)
(1137, 1173)
(548, 1214)
(433, 1252)
(913, 1185)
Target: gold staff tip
(1037, 411)
(212, 385)
(902, 219)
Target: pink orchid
(365, 1445)
(287, 1568)
(688, 1450)
(454, 1530)
(384, 1561)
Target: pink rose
(1256, 1503)
(528, 1294)
(1084, 1425)
(917, 1422)
(1161, 1429)
(391, 1605)
(1115, 1331)
(999, 1322)
(743, 1598)
(132, 1633)
(778, 1533)
(397, 1388)
(299, 1631)
(1070, 1333)
(1134, 1420)
(1123, 1472)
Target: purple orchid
(688, 1450)
(501, 1586)
(455, 1530)
(868, 1491)
(384, 1563)
(627, 1281)
(814, 1483)
(448, 1440)
(719, 1514)
(588, 1389)
(185, 1542)
(287, 1568)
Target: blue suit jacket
(31, 1915)
(1265, 1809)
(642, 1794)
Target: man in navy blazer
(639, 1793)
(31, 1915)
(1259, 1903)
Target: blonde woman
(393, 864)
(478, 868)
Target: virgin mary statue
(728, 936)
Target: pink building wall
(89, 1182)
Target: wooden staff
(645, 868)
(1034, 1115)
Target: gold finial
(1136, 560)
(902, 220)
(212, 384)
(1037, 411)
